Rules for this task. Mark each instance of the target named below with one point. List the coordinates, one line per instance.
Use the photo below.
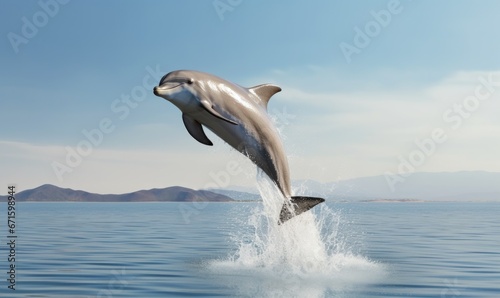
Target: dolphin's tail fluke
(296, 206)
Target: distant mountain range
(445, 186)
(450, 186)
(51, 193)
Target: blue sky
(340, 117)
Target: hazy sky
(369, 87)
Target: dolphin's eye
(190, 81)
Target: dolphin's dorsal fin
(196, 130)
(264, 92)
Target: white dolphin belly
(251, 141)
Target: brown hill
(51, 193)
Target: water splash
(308, 256)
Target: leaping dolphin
(239, 116)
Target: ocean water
(238, 250)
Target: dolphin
(238, 115)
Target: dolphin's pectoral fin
(264, 92)
(209, 108)
(196, 130)
(296, 206)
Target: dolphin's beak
(165, 87)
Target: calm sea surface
(231, 249)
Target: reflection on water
(236, 249)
